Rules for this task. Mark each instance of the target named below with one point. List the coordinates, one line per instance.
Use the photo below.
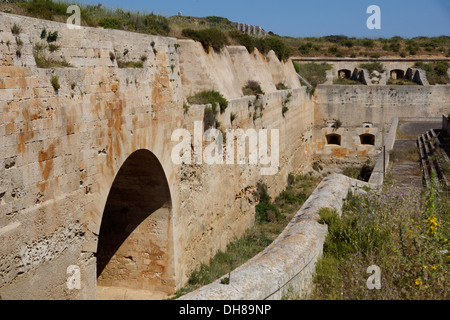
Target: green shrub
(296, 67)
(317, 166)
(400, 82)
(265, 210)
(243, 39)
(276, 44)
(110, 23)
(252, 88)
(436, 71)
(345, 81)
(412, 49)
(209, 38)
(335, 51)
(290, 196)
(218, 20)
(281, 86)
(209, 97)
(362, 173)
(52, 36)
(305, 49)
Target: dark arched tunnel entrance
(135, 248)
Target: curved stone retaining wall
(288, 264)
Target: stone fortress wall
(249, 29)
(91, 162)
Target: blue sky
(302, 18)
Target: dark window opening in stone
(344, 73)
(367, 139)
(334, 139)
(134, 247)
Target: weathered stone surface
(61, 150)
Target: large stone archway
(135, 250)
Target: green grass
(408, 154)
(272, 217)
(209, 38)
(405, 234)
(242, 39)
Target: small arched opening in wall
(344, 73)
(397, 74)
(134, 249)
(367, 139)
(333, 139)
